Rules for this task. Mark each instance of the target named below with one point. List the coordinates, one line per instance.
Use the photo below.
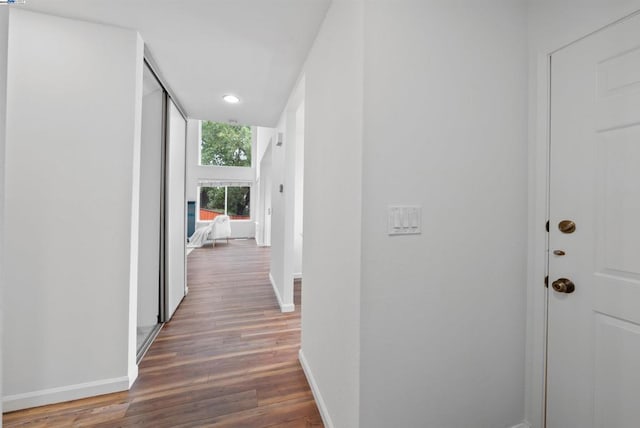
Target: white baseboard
(523, 424)
(290, 307)
(133, 371)
(64, 393)
(322, 407)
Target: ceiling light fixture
(231, 99)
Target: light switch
(404, 220)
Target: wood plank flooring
(228, 358)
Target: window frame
(226, 186)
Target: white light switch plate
(405, 220)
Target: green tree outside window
(225, 144)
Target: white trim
(284, 308)
(65, 393)
(523, 424)
(133, 371)
(134, 242)
(297, 275)
(611, 24)
(322, 407)
(537, 259)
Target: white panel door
(593, 377)
(175, 209)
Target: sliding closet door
(151, 202)
(175, 208)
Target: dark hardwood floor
(228, 358)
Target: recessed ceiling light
(231, 99)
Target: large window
(233, 201)
(225, 144)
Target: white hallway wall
(280, 273)
(4, 35)
(266, 189)
(276, 269)
(264, 143)
(298, 184)
(73, 135)
(283, 201)
(332, 214)
(442, 313)
(264, 136)
(407, 331)
(193, 148)
(552, 24)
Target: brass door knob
(563, 285)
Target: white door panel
(617, 372)
(150, 224)
(593, 372)
(176, 209)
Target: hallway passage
(228, 358)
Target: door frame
(163, 315)
(538, 238)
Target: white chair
(220, 229)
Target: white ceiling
(207, 48)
